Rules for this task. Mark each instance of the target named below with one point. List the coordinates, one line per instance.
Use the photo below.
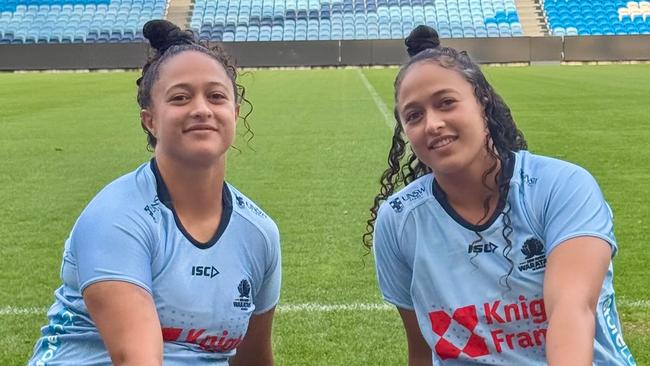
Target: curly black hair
(423, 45)
(169, 40)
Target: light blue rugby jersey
(204, 294)
(430, 260)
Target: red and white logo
(458, 337)
(457, 333)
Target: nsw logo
(456, 333)
(535, 260)
(396, 204)
(240, 201)
(250, 206)
(413, 195)
(205, 271)
(244, 300)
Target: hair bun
(421, 38)
(163, 34)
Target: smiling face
(193, 109)
(442, 119)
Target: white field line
(324, 308)
(312, 307)
(388, 115)
(282, 308)
(14, 310)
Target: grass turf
(320, 144)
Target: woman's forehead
(429, 78)
(192, 67)
(192, 61)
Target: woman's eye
(412, 116)
(217, 96)
(446, 103)
(179, 98)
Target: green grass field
(320, 144)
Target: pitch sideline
(388, 116)
(310, 307)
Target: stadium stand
(288, 20)
(99, 21)
(68, 21)
(597, 17)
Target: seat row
(279, 33)
(90, 37)
(597, 17)
(453, 18)
(82, 21)
(599, 30)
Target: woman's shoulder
(127, 208)
(131, 192)
(409, 197)
(545, 182)
(531, 160)
(249, 211)
(532, 168)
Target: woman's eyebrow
(435, 94)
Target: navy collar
(165, 199)
(506, 170)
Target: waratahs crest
(532, 247)
(244, 288)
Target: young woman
(491, 254)
(170, 263)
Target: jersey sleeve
(111, 244)
(575, 207)
(269, 293)
(393, 272)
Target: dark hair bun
(163, 34)
(421, 38)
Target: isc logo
(482, 248)
(206, 271)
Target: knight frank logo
(508, 326)
(244, 300)
(535, 260)
(463, 321)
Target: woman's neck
(195, 190)
(468, 191)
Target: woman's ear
(146, 119)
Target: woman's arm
(574, 276)
(256, 349)
(419, 352)
(126, 318)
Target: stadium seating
(597, 17)
(68, 21)
(288, 20)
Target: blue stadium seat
(346, 19)
(230, 37)
(593, 17)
